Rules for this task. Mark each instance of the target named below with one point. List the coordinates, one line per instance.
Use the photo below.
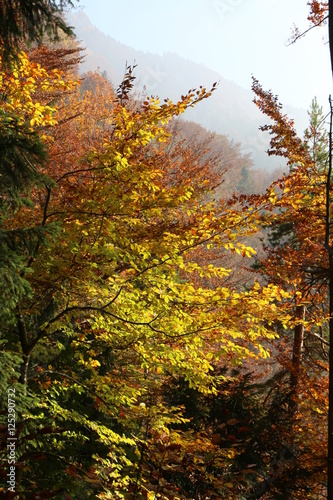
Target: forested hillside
(230, 110)
(164, 328)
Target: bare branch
(297, 35)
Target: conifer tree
(30, 21)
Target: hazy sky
(237, 38)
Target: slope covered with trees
(229, 111)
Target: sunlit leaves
(294, 208)
(19, 86)
(125, 300)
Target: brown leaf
(233, 421)
(216, 439)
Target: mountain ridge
(229, 111)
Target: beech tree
(294, 209)
(112, 315)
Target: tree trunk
(24, 370)
(329, 249)
(330, 397)
(330, 29)
(297, 354)
(26, 350)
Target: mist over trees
(230, 110)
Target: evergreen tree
(21, 152)
(316, 136)
(30, 21)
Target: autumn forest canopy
(165, 310)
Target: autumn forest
(166, 313)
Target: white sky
(237, 38)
